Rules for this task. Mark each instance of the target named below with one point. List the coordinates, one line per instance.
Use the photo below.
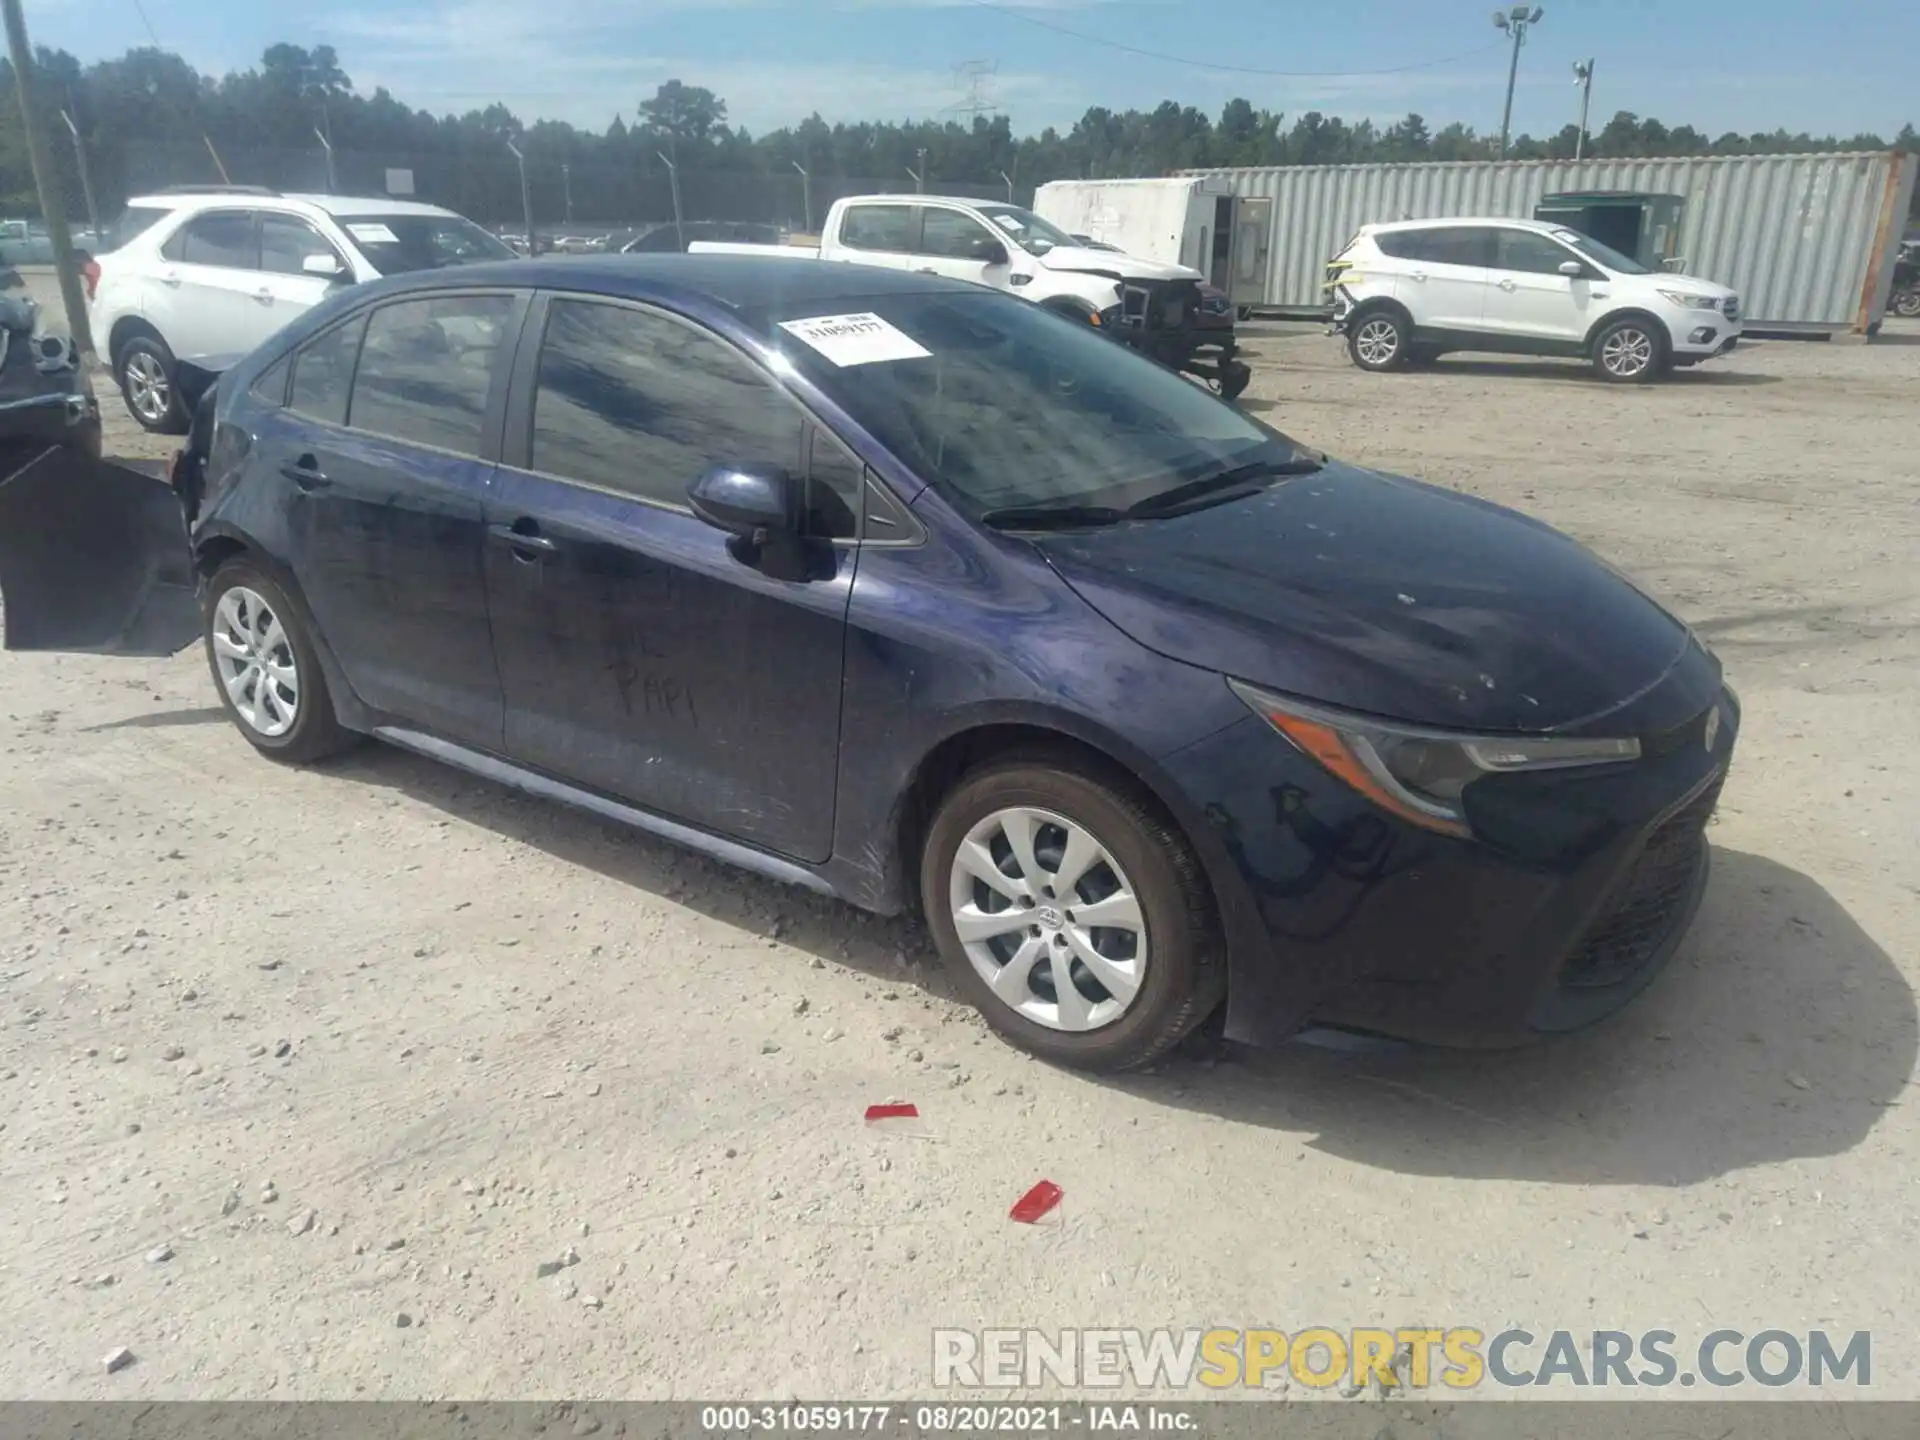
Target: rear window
(130, 224)
(396, 244)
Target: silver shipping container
(1809, 241)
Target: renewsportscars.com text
(1460, 1358)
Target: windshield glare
(1013, 407)
(1026, 229)
(1609, 257)
(396, 244)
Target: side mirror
(992, 252)
(327, 267)
(1572, 269)
(751, 501)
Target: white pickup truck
(1149, 304)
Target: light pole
(673, 183)
(566, 188)
(806, 196)
(1583, 77)
(526, 197)
(1009, 179)
(327, 145)
(920, 175)
(1516, 22)
(86, 180)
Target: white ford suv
(198, 276)
(1408, 292)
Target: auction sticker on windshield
(855, 339)
(373, 234)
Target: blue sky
(1716, 64)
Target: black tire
(1631, 351)
(1377, 340)
(1234, 379)
(1185, 971)
(315, 732)
(149, 379)
(1906, 304)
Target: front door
(644, 655)
(207, 298)
(956, 245)
(286, 244)
(1528, 297)
(387, 522)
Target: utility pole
(673, 183)
(526, 197)
(1583, 77)
(920, 175)
(566, 187)
(1516, 22)
(53, 205)
(86, 180)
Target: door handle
(926, 270)
(265, 297)
(1508, 286)
(1419, 275)
(528, 543)
(171, 281)
(306, 473)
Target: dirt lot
(464, 1032)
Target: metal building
(1809, 241)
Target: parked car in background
(1147, 304)
(1409, 292)
(663, 239)
(1905, 300)
(197, 277)
(46, 397)
(898, 588)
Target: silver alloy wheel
(1627, 352)
(1049, 919)
(1906, 304)
(1378, 341)
(149, 391)
(255, 659)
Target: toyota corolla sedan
(910, 593)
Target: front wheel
(264, 664)
(1378, 341)
(1071, 914)
(1906, 303)
(1630, 352)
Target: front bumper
(1576, 890)
(1701, 334)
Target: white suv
(197, 277)
(1406, 293)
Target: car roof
(1438, 222)
(251, 199)
(739, 282)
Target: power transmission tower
(974, 79)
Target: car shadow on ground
(1708, 375)
(1780, 1031)
(163, 719)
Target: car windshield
(1028, 230)
(395, 244)
(1609, 257)
(1007, 407)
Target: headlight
(1688, 301)
(1420, 775)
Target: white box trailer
(1196, 221)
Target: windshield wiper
(1233, 483)
(1051, 517)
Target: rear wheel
(1630, 352)
(266, 670)
(149, 382)
(1071, 913)
(1906, 304)
(1378, 341)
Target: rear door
(207, 297)
(1527, 296)
(641, 654)
(1443, 274)
(386, 448)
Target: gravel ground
(377, 1040)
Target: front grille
(1163, 304)
(1650, 901)
(1733, 307)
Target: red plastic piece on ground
(893, 1112)
(1036, 1202)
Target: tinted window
(876, 227)
(1534, 254)
(642, 405)
(219, 237)
(425, 369)
(1449, 245)
(395, 244)
(286, 242)
(323, 372)
(953, 236)
(272, 384)
(835, 478)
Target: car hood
(1382, 595)
(1114, 262)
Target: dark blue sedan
(914, 594)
